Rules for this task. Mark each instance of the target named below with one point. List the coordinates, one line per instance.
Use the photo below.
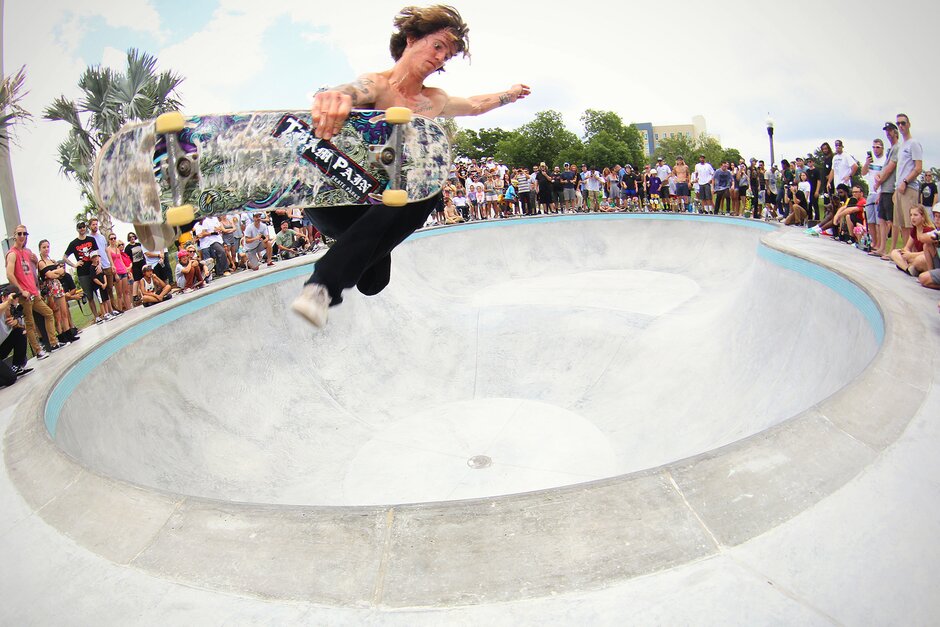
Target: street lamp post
(770, 134)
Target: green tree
(109, 100)
(11, 109)
(479, 144)
(542, 139)
(607, 137)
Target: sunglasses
(23, 233)
(112, 238)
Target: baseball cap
(95, 253)
(889, 126)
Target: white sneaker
(99, 320)
(41, 354)
(313, 304)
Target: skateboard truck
(390, 157)
(179, 169)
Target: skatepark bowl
(531, 407)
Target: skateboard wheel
(171, 122)
(398, 115)
(178, 216)
(394, 197)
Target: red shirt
(917, 246)
(24, 269)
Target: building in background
(652, 135)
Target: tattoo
(504, 99)
(360, 90)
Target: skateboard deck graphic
(265, 160)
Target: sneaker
(99, 320)
(42, 354)
(313, 304)
(21, 371)
(53, 349)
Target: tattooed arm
(475, 105)
(331, 107)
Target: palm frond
(11, 95)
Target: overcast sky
(822, 70)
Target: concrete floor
(551, 420)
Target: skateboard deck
(263, 160)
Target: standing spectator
(100, 280)
(885, 184)
(569, 180)
(80, 248)
(523, 186)
(460, 204)
(874, 165)
(653, 188)
(122, 271)
(593, 183)
(229, 224)
(724, 181)
(681, 173)
(739, 194)
(813, 176)
(209, 234)
(543, 183)
(534, 189)
(910, 165)
(825, 168)
(928, 191)
(136, 253)
(105, 260)
(50, 273)
(754, 177)
(844, 167)
(773, 179)
(557, 190)
(257, 241)
(630, 182)
(704, 174)
(21, 273)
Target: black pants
(15, 342)
(723, 197)
(365, 237)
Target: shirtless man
(681, 172)
(424, 41)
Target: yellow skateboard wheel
(172, 122)
(398, 115)
(394, 198)
(178, 216)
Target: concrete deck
(677, 419)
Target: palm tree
(11, 113)
(110, 99)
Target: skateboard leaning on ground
(174, 169)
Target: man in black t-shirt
(81, 248)
(928, 191)
(812, 175)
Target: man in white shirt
(592, 185)
(209, 234)
(704, 173)
(663, 170)
(257, 241)
(872, 167)
(844, 166)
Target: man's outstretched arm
(475, 105)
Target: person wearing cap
(80, 249)
(21, 267)
(153, 289)
(257, 242)
(189, 274)
(289, 242)
(844, 167)
(209, 233)
(885, 184)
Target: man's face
(94, 226)
(21, 234)
(283, 226)
(856, 192)
(701, 160)
(431, 52)
(878, 148)
(838, 148)
(82, 230)
(841, 194)
(904, 124)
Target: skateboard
(175, 169)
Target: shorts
(902, 206)
(88, 286)
(886, 207)
(705, 191)
(490, 197)
(934, 274)
(682, 189)
(229, 239)
(629, 193)
(120, 275)
(568, 194)
(871, 208)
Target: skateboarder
(425, 39)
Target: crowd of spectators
(894, 220)
(111, 276)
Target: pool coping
(500, 548)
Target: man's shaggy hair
(417, 22)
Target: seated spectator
(257, 242)
(451, 215)
(911, 258)
(796, 203)
(930, 277)
(12, 339)
(850, 215)
(289, 242)
(189, 273)
(153, 290)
